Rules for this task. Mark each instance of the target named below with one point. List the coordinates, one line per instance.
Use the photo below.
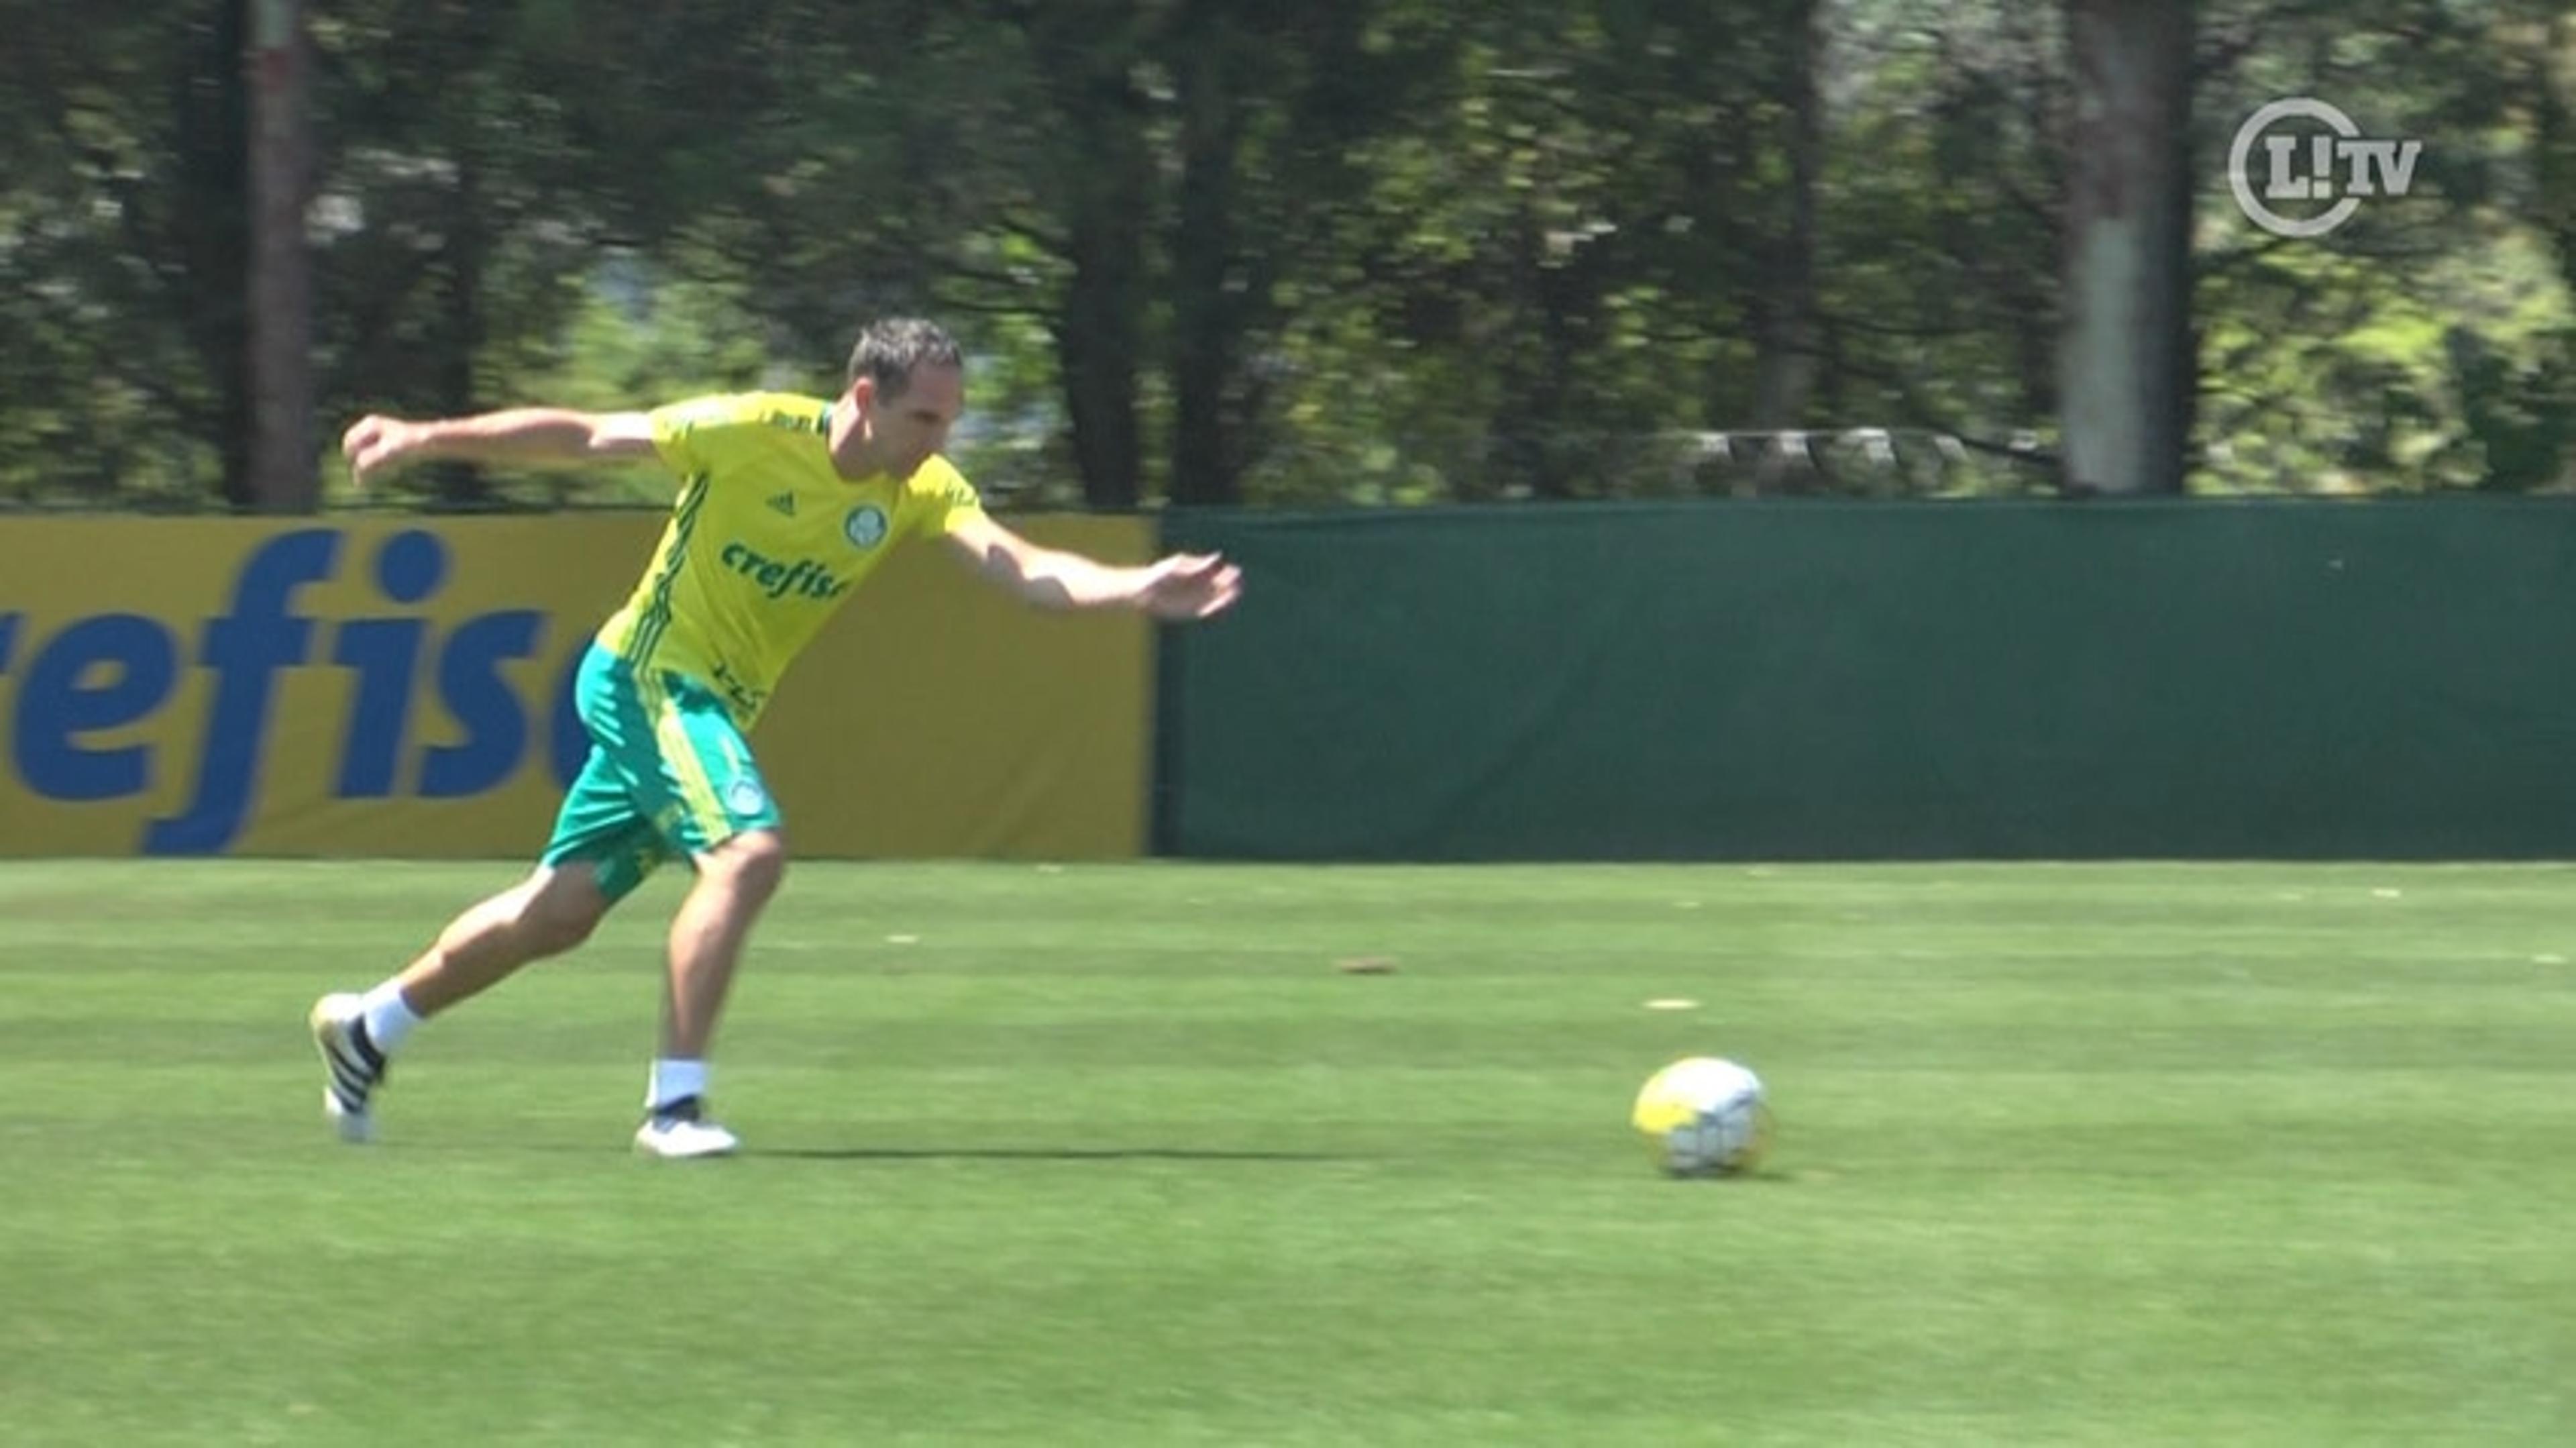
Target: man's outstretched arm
(1182, 586)
(537, 436)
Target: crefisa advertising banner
(402, 687)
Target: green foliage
(1368, 250)
(2424, 344)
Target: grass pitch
(2113, 1155)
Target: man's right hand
(376, 444)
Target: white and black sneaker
(355, 1067)
(678, 1130)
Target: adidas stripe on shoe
(353, 1067)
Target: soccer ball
(1704, 1116)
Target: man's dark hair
(889, 350)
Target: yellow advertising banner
(400, 687)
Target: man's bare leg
(735, 880)
(550, 912)
(547, 914)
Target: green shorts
(669, 775)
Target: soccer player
(786, 504)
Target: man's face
(901, 430)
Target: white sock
(388, 1016)
(674, 1081)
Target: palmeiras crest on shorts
(744, 796)
(865, 526)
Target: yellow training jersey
(765, 541)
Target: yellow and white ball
(1705, 1116)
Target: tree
(2126, 366)
(1357, 250)
(278, 359)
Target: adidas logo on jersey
(784, 503)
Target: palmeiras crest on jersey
(865, 526)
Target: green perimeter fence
(2383, 679)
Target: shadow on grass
(1027, 1153)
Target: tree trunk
(2553, 101)
(1099, 340)
(1786, 339)
(467, 244)
(282, 471)
(1086, 54)
(1535, 366)
(2124, 360)
(210, 234)
(1206, 311)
